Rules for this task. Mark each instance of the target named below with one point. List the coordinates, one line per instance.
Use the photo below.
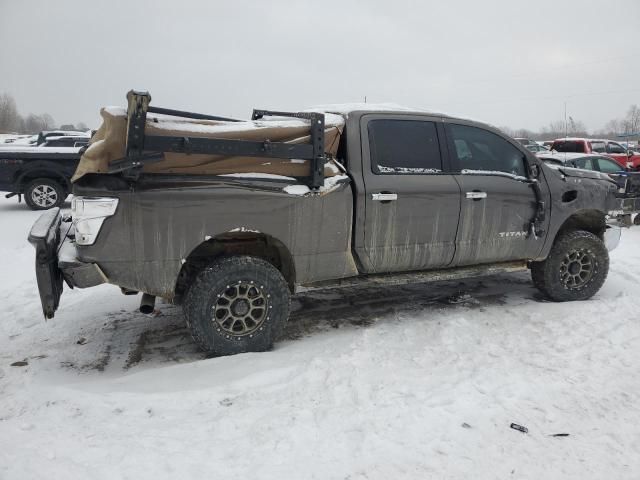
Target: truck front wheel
(237, 304)
(575, 269)
(44, 193)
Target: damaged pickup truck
(229, 218)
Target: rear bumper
(56, 261)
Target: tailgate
(45, 237)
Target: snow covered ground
(379, 383)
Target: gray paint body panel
(157, 226)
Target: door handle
(384, 197)
(476, 195)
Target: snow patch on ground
(417, 381)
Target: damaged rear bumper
(56, 261)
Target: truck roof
(347, 109)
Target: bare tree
(508, 131)
(631, 122)
(554, 130)
(36, 123)
(10, 120)
(48, 122)
(523, 133)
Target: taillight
(88, 214)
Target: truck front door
(412, 202)
(498, 202)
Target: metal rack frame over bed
(142, 149)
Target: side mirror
(629, 153)
(534, 169)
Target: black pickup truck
(41, 174)
(411, 197)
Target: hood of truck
(580, 173)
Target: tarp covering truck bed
(110, 143)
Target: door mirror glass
(535, 170)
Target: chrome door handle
(384, 197)
(476, 195)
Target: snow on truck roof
(347, 108)
(335, 115)
(330, 110)
(172, 122)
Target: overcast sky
(506, 62)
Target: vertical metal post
(317, 140)
(137, 105)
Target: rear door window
(615, 148)
(569, 146)
(586, 163)
(608, 166)
(404, 146)
(480, 150)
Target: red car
(626, 158)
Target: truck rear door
(412, 201)
(498, 202)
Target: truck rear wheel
(575, 269)
(44, 193)
(238, 304)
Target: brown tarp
(108, 144)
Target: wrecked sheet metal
(166, 218)
(108, 144)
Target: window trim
(608, 148)
(601, 159)
(366, 148)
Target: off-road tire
(44, 193)
(249, 279)
(636, 220)
(551, 276)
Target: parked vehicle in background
(8, 139)
(42, 137)
(524, 141)
(65, 141)
(587, 161)
(626, 158)
(363, 196)
(536, 147)
(22, 140)
(41, 173)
